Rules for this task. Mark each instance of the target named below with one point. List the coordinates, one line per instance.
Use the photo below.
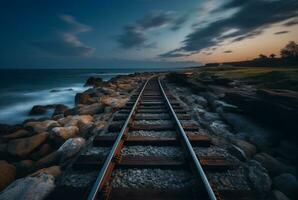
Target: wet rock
(286, 183)
(114, 102)
(278, 195)
(24, 146)
(61, 134)
(209, 116)
(273, 166)
(92, 109)
(24, 167)
(83, 98)
(74, 120)
(201, 101)
(242, 150)
(7, 174)
(55, 171)
(258, 176)
(44, 150)
(38, 110)
(29, 188)
(6, 129)
(219, 128)
(60, 109)
(49, 160)
(94, 81)
(41, 126)
(225, 107)
(18, 134)
(71, 147)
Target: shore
(251, 120)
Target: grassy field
(262, 77)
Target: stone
(286, 183)
(209, 116)
(41, 126)
(7, 174)
(74, 120)
(49, 160)
(24, 146)
(242, 150)
(224, 106)
(201, 101)
(60, 109)
(114, 102)
(38, 110)
(94, 81)
(92, 109)
(61, 134)
(71, 147)
(273, 166)
(278, 195)
(44, 150)
(83, 98)
(258, 176)
(18, 134)
(55, 171)
(219, 128)
(29, 188)
(24, 167)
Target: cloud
(228, 51)
(249, 18)
(66, 42)
(135, 35)
(281, 32)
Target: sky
(142, 33)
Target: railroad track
(152, 103)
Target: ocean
(20, 89)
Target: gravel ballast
(151, 178)
(153, 133)
(151, 151)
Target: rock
(286, 183)
(29, 188)
(55, 171)
(92, 109)
(41, 126)
(60, 109)
(38, 110)
(18, 134)
(278, 195)
(258, 176)
(24, 146)
(71, 147)
(242, 150)
(75, 120)
(219, 128)
(114, 102)
(224, 106)
(24, 167)
(288, 150)
(273, 166)
(94, 81)
(44, 150)
(201, 101)
(209, 116)
(61, 134)
(49, 160)
(83, 98)
(6, 129)
(7, 174)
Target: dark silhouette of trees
(262, 57)
(272, 55)
(290, 51)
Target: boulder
(242, 150)
(24, 167)
(210, 117)
(7, 174)
(258, 176)
(60, 109)
(219, 128)
(83, 98)
(18, 134)
(71, 147)
(278, 195)
(29, 188)
(61, 134)
(49, 160)
(55, 171)
(224, 106)
(273, 166)
(41, 126)
(24, 146)
(44, 150)
(38, 110)
(74, 120)
(94, 81)
(201, 101)
(114, 102)
(286, 183)
(92, 109)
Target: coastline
(47, 147)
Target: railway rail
(152, 98)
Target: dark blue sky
(133, 33)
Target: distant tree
(262, 56)
(290, 50)
(272, 55)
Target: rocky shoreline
(37, 155)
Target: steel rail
(197, 163)
(103, 171)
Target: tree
(272, 55)
(262, 56)
(290, 50)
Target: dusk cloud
(66, 42)
(249, 20)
